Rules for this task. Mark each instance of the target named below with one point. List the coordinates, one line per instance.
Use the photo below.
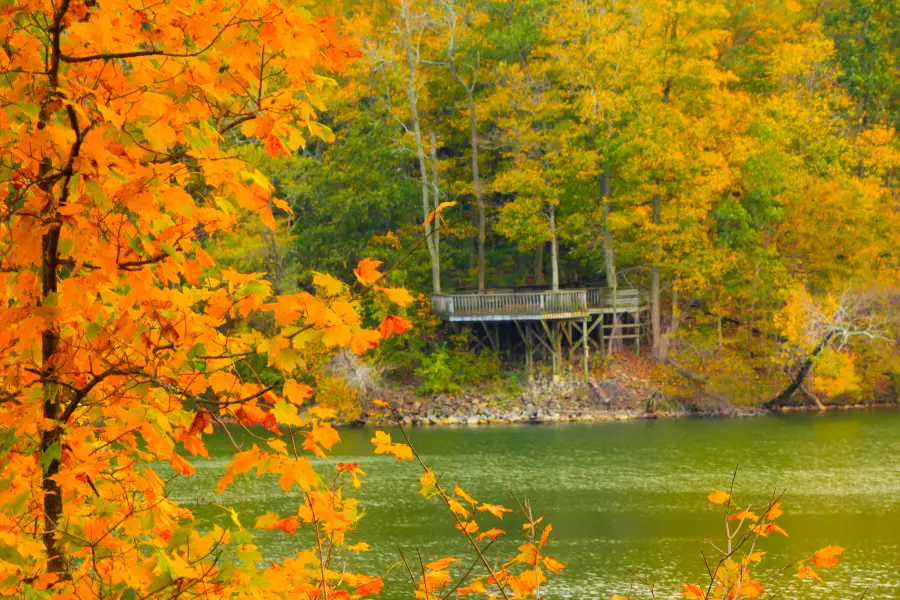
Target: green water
(628, 496)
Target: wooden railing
(509, 305)
(566, 303)
(604, 298)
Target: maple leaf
(360, 547)
(330, 285)
(803, 572)
(774, 511)
(457, 508)
(553, 564)
(200, 423)
(437, 212)
(459, 492)
(398, 296)
(827, 556)
(274, 147)
(381, 403)
(719, 497)
(295, 392)
(429, 484)
(367, 271)
(364, 340)
(752, 589)
(692, 591)
(545, 535)
(371, 585)
(392, 324)
(764, 529)
(181, 465)
(744, 515)
(490, 533)
(494, 509)
(467, 526)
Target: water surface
(627, 498)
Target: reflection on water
(628, 496)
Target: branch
(152, 52)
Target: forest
(231, 237)
(735, 161)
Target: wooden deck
(532, 305)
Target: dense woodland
(206, 204)
(737, 161)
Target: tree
(453, 24)
(123, 340)
(397, 48)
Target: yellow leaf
(330, 285)
(494, 509)
(719, 497)
(399, 296)
(360, 547)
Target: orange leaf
(181, 465)
(490, 533)
(803, 572)
(827, 556)
(367, 271)
(693, 591)
(774, 512)
(744, 515)
(364, 340)
(391, 325)
(494, 509)
(752, 589)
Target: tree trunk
(655, 311)
(609, 255)
(719, 330)
(411, 86)
(673, 332)
(784, 396)
(539, 265)
(476, 184)
(436, 195)
(554, 250)
(51, 410)
(51, 438)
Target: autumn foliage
(123, 342)
(735, 572)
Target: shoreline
(532, 415)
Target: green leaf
(31, 110)
(53, 452)
(92, 331)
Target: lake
(625, 497)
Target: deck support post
(529, 352)
(566, 327)
(585, 332)
(637, 329)
(554, 338)
(557, 351)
